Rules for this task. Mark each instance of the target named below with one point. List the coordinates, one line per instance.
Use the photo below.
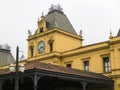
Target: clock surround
(41, 47)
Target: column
(1, 84)
(35, 79)
(35, 82)
(112, 87)
(84, 84)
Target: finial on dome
(110, 37)
(29, 33)
(38, 18)
(55, 7)
(42, 17)
(42, 13)
(80, 33)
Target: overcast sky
(95, 17)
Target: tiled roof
(65, 70)
(59, 20)
(59, 69)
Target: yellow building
(57, 59)
(56, 42)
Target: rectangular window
(68, 65)
(86, 65)
(106, 64)
(32, 50)
(51, 47)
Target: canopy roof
(61, 72)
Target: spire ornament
(55, 7)
(38, 19)
(29, 33)
(80, 33)
(110, 37)
(42, 13)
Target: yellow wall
(62, 41)
(94, 57)
(66, 42)
(67, 48)
(117, 83)
(35, 41)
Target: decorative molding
(118, 49)
(105, 55)
(54, 31)
(76, 52)
(86, 58)
(111, 49)
(68, 62)
(50, 41)
(118, 69)
(31, 47)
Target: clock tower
(53, 36)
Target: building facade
(58, 60)
(56, 42)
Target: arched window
(41, 29)
(32, 50)
(51, 45)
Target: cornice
(115, 76)
(114, 40)
(83, 50)
(69, 34)
(104, 55)
(87, 58)
(105, 43)
(118, 69)
(53, 31)
(40, 34)
(45, 56)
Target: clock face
(41, 46)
